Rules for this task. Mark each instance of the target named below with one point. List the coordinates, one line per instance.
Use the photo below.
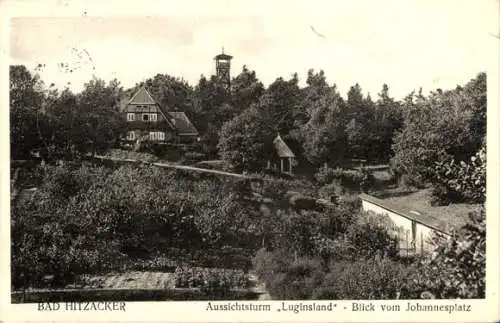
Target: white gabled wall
(422, 233)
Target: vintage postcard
(250, 161)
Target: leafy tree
(246, 90)
(323, 134)
(246, 141)
(211, 104)
(460, 181)
(387, 120)
(278, 104)
(442, 126)
(26, 117)
(358, 116)
(101, 125)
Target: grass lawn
(454, 214)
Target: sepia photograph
(338, 153)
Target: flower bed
(209, 278)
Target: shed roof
(282, 148)
(183, 124)
(418, 216)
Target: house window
(145, 117)
(153, 117)
(156, 135)
(130, 135)
(130, 116)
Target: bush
(460, 182)
(372, 278)
(298, 281)
(369, 238)
(194, 156)
(209, 278)
(128, 213)
(348, 179)
(458, 267)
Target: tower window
(145, 117)
(153, 117)
(130, 116)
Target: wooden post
(268, 164)
(407, 243)
(291, 167)
(281, 160)
(421, 243)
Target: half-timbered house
(147, 120)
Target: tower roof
(223, 56)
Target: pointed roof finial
(222, 49)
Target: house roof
(282, 148)
(418, 216)
(182, 123)
(142, 96)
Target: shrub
(372, 278)
(348, 179)
(298, 281)
(209, 278)
(458, 267)
(370, 238)
(460, 182)
(194, 156)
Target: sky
(406, 44)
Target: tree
(387, 120)
(279, 103)
(246, 90)
(449, 124)
(359, 118)
(246, 141)
(26, 118)
(62, 111)
(323, 134)
(211, 104)
(90, 121)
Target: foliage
(323, 133)
(26, 120)
(245, 142)
(128, 154)
(369, 238)
(308, 278)
(299, 280)
(458, 267)
(209, 278)
(246, 90)
(372, 278)
(460, 182)
(353, 180)
(446, 125)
